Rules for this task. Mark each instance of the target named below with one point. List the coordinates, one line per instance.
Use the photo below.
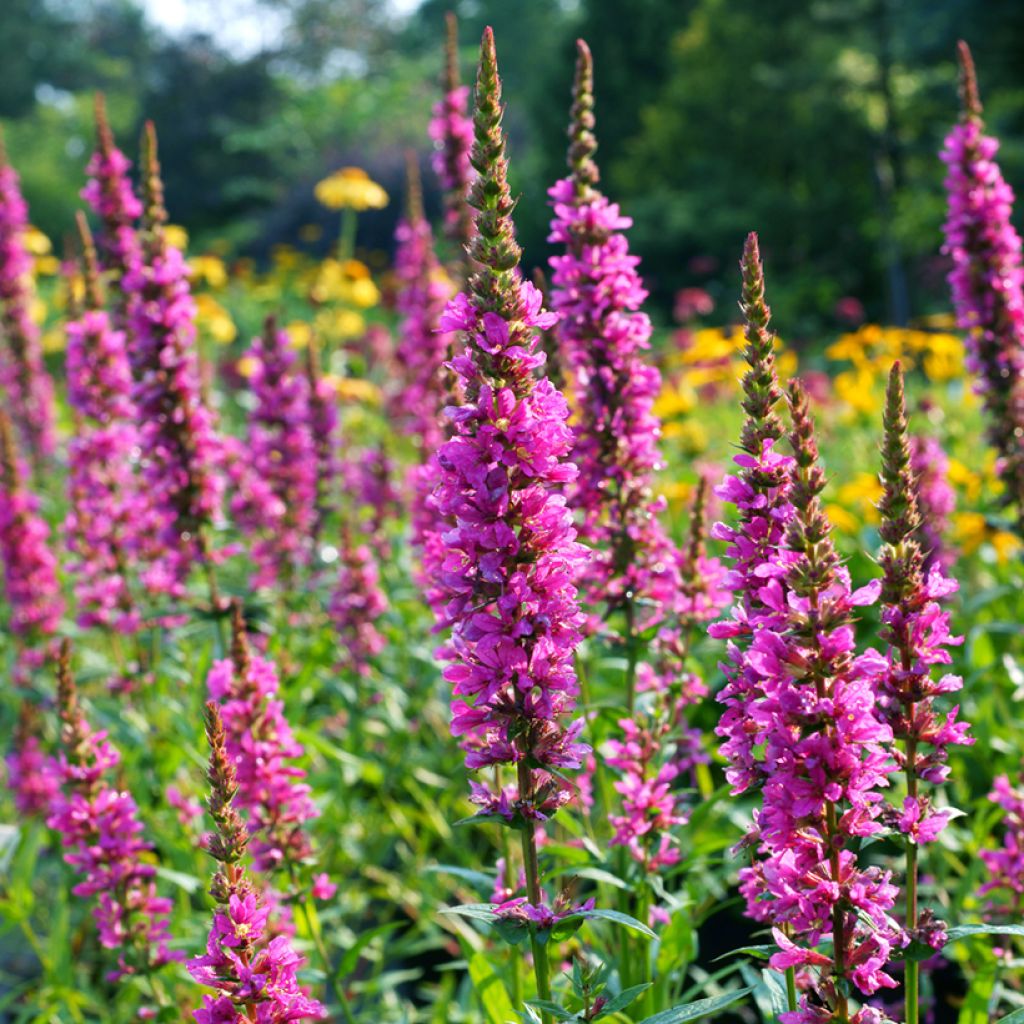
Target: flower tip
(968, 81)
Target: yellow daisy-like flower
(341, 323)
(842, 520)
(363, 293)
(54, 340)
(861, 494)
(1006, 544)
(47, 266)
(247, 366)
(208, 269)
(215, 320)
(35, 242)
(300, 334)
(176, 236)
(354, 389)
(351, 188)
(37, 310)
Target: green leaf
(556, 1011)
(701, 1008)
(490, 990)
(761, 952)
(622, 1000)
(964, 931)
(477, 878)
(612, 915)
(9, 835)
(477, 911)
(189, 883)
(351, 957)
(975, 1009)
(678, 944)
(1016, 1017)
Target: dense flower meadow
(450, 644)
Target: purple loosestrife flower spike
(110, 521)
(32, 775)
(23, 376)
(916, 630)
(110, 194)
(423, 290)
(936, 501)
(826, 759)
(30, 566)
(254, 976)
(1005, 885)
(282, 455)
(323, 428)
(100, 829)
(451, 130)
(259, 741)
(357, 604)
(760, 492)
(987, 280)
(512, 553)
(179, 447)
(597, 291)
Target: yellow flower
(176, 236)
(677, 492)
(54, 340)
(842, 520)
(299, 333)
(47, 266)
(285, 257)
(212, 317)
(37, 310)
(687, 435)
(967, 480)
(354, 389)
(674, 401)
(363, 293)
(856, 389)
(35, 241)
(861, 493)
(786, 364)
(355, 269)
(340, 323)
(1006, 544)
(210, 269)
(351, 188)
(247, 366)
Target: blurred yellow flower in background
(341, 324)
(177, 236)
(842, 520)
(247, 366)
(215, 320)
(209, 270)
(350, 188)
(35, 242)
(860, 495)
(354, 389)
(299, 333)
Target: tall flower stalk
(110, 519)
(512, 559)
(451, 129)
(254, 976)
(987, 279)
(99, 827)
(917, 631)
(282, 454)
(597, 291)
(23, 376)
(31, 587)
(179, 447)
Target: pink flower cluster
(512, 557)
(260, 744)
(250, 974)
(423, 291)
(100, 828)
(1006, 865)
(32, 775)
(357, 603)
(281, 457)
(987, 278)
(451, 130)
(23, 378)
(110, 521)
(936, 500)
(31, 586)
(597, 292)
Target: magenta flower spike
(180, 450)
(936, 501)
(254, 976)
(274, 800)
(916, 629)
(100, 829)
(760, 492)
(423, 290)
(34, 600)
(357, 604)
(281, 453)
(1005, 885)
(512, 556)
(451, 129)
(111, 197)
(987, 279)
(110, 521)
(598, 294)
(32, 775)
(23, 376)
(826, 763)
(323, 428)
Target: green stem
(325, 961)
(632, 650)
(791, 989)
(347, 239)
(912, 977)
(541, 969)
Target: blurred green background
(815, 122)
